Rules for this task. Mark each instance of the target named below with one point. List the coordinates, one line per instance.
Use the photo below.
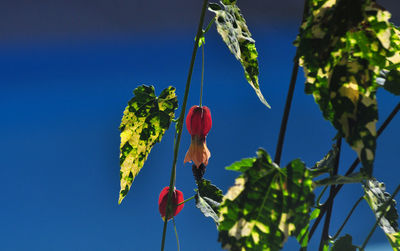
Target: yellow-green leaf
(343, 47)
(234, 32)
(266, 205)
(145, 120)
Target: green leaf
(145, 120)
(377, 197)
(236, 35)
(266, 205)
(343, 46)
(392, 81)
(326, 164)
(344, 243)
(339, 179)
(208, 199)
(241, 165)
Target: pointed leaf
(145, 120)
(208, 199)
(339, 179)
(377, 197)
(241, 165)
(343, 45)
(266, 205)
(233, 30)
(326, 164)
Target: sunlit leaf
(241, 165)
(236, 35)
(266, 205)
(339, 179)
(343, 46)
(344, 243)
(145, 120)
(377, 197)
(208, 199)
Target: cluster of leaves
(145, 120)
(344, 47)
(266, 205)
(233, 29)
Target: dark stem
(289, 98)
(348, 217)
(351, 169)
(325, 230)
(286, 112)
(180, 121)
(202, 74)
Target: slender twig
(347, 218)
(384, 209)
(183, 202)
(202, 74)
(289, 97)
(286, 112)
(320, 196)
(176, 233)
(180, 121)
(325, 230)
(209, 25)
(351, 169)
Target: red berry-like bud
(198, 121)
(177, 197)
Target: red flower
(198, 123)
(177, 197)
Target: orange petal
(198, 152)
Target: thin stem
(180, 121)
(202, 74)
(209, 25)
(348, 217)
(176, 233)
(183, 202)
(286, 112)
(383, 208)
(289, 98)
(320, 195)
(325, 230)
(352, 168)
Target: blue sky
(61, 102)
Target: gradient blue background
(61, 100)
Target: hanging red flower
(177, 197)
(198, 123)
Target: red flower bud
(177, 197)
(198, 123)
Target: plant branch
(286, 112)
(180, 122)
(289, 98)
(325, 230)
(202, 74)
(176, 233)
(352, 168)
(383, 208)
(183, 202)
(347, 218)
